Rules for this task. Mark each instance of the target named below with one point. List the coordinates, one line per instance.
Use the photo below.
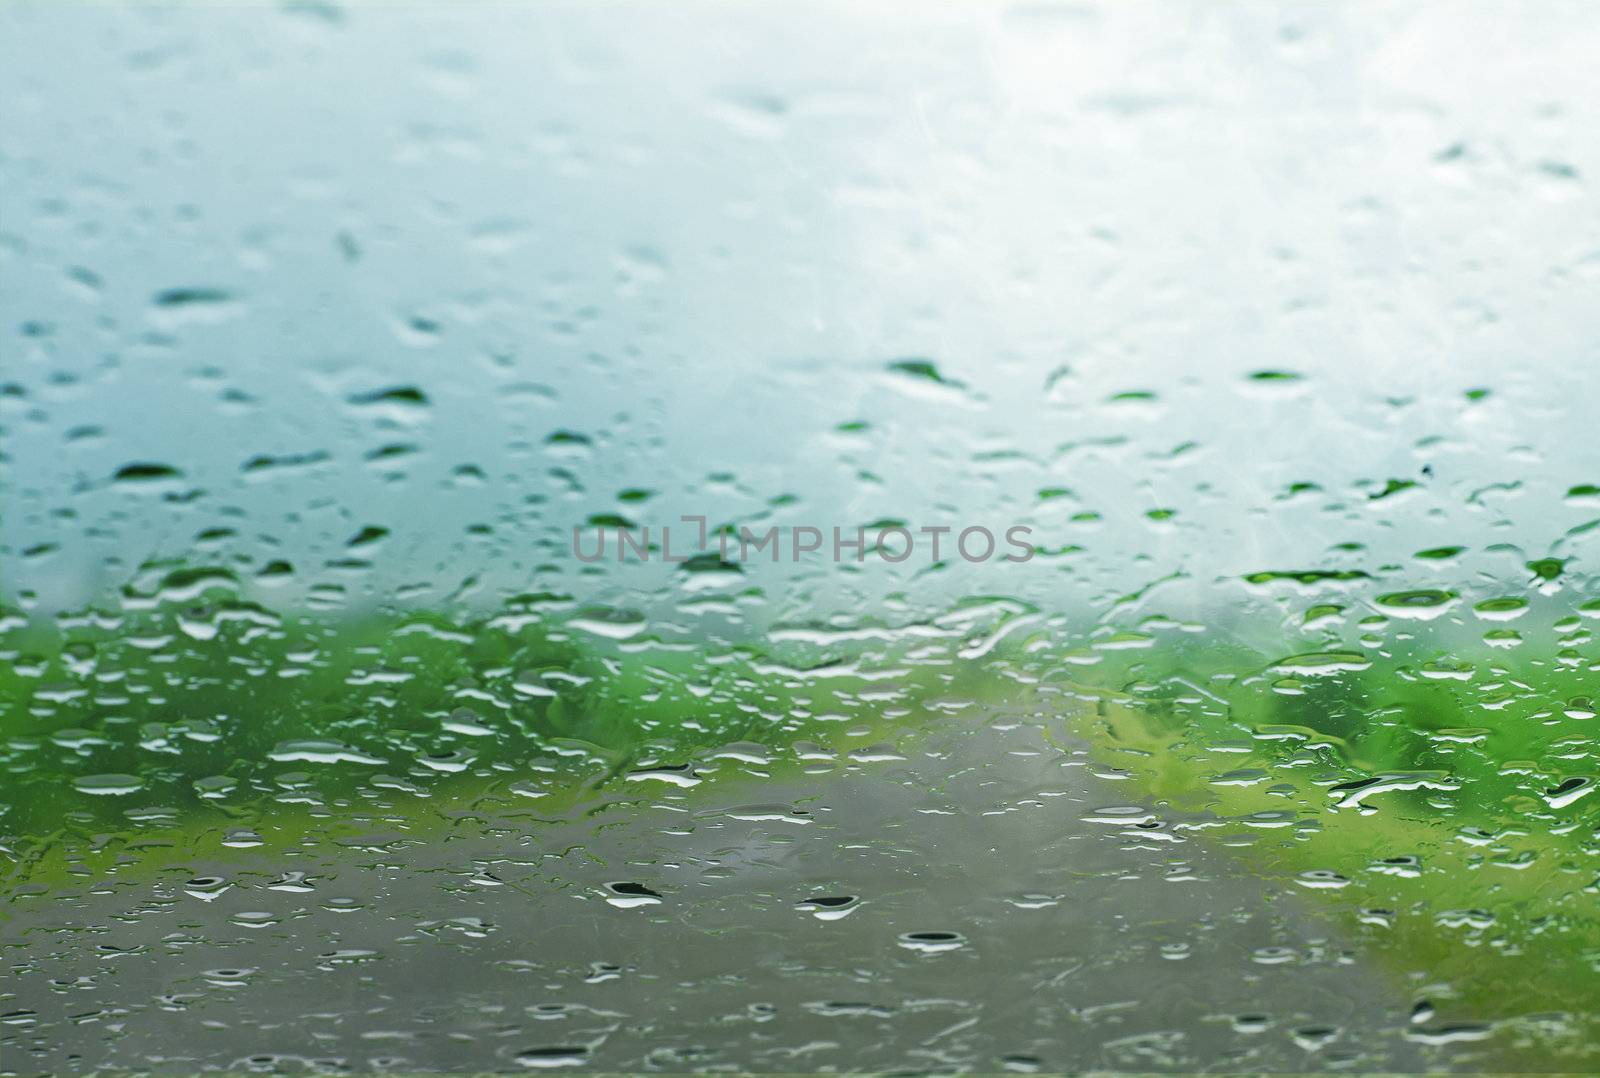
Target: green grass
(174, 719)
(1432, 783)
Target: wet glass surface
(1239, 359)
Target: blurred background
(1199, 290)
(1276, 323)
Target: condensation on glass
(335, 333)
